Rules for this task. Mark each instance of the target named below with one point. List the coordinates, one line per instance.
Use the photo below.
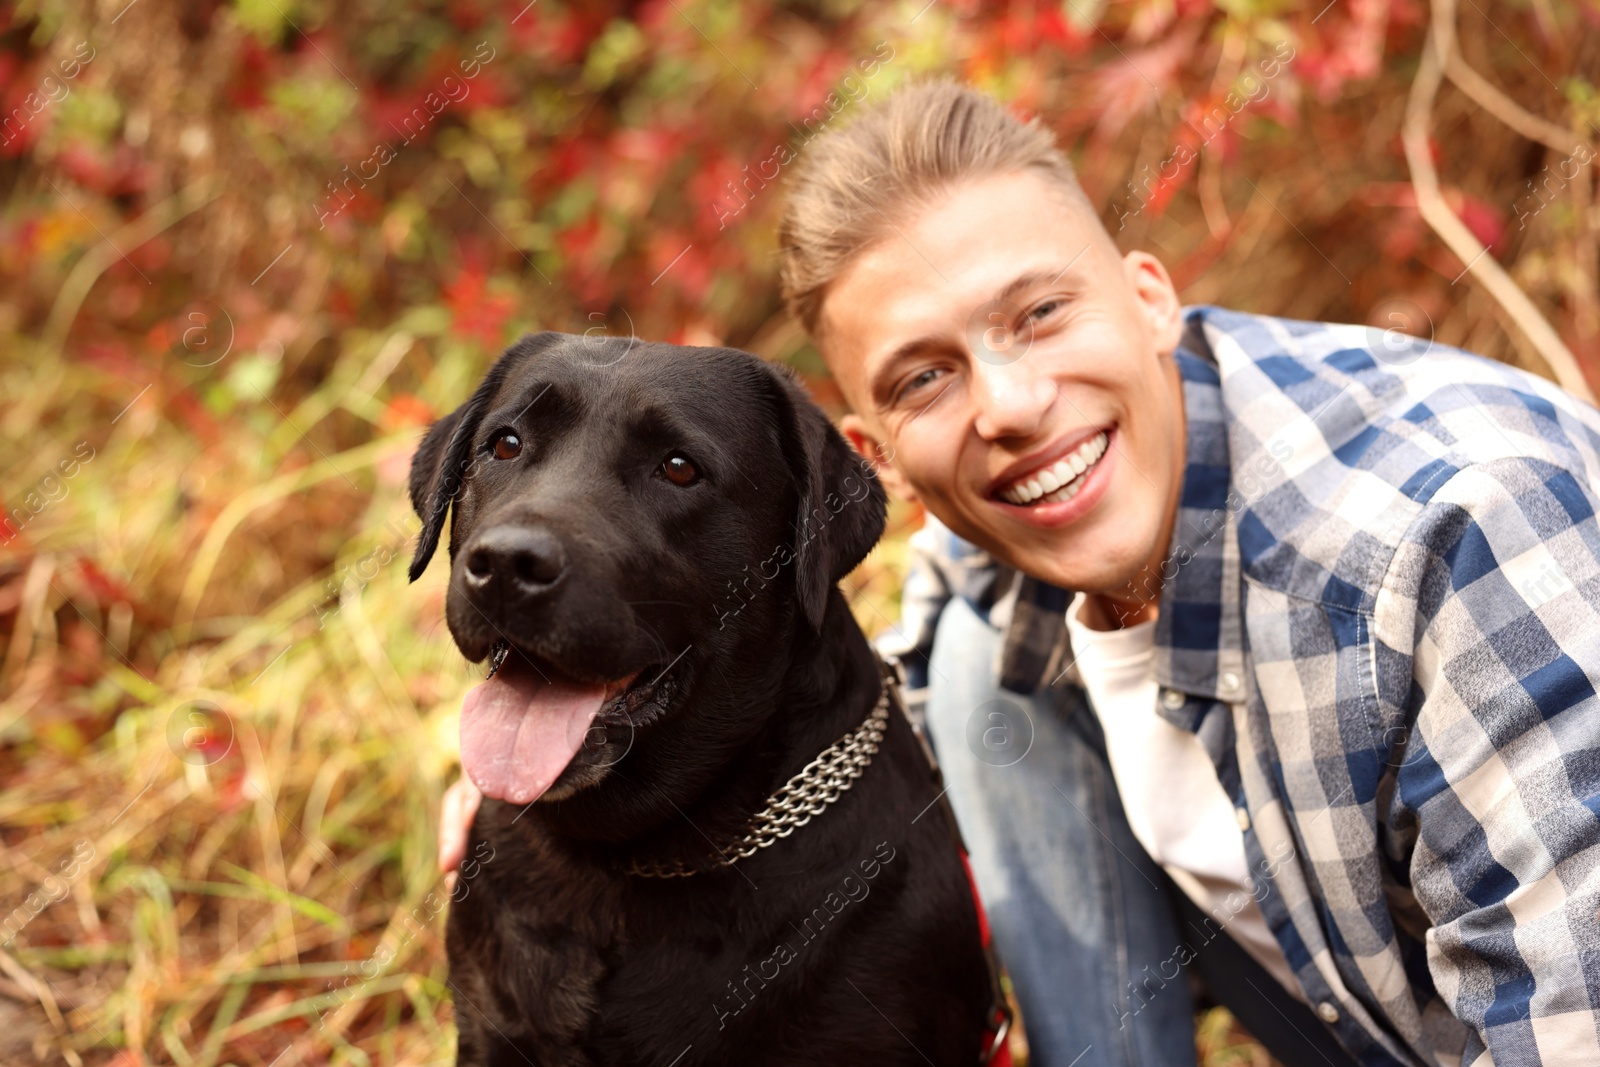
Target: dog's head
(642, 528)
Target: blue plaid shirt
(1381, 614)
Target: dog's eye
(680, 470)
(507, 446)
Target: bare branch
(1456, 236)
(1484, 93)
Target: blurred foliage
(248, 249)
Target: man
(1259, 650)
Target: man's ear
(1157, 298)
(878, 455)
(443, 461)
(842, 506)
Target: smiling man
(1259, 651)
(1018, 449)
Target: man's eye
(921, 380)
(507, 446)
(1044, 310)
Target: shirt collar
(1198, 645)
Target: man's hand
(455, 822)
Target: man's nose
(517, 562)
(1011, 398)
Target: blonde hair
(856, 183)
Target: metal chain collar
(818, 784)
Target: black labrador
(647, 539)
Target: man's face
(1011, 370)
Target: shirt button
(1242, 817)
(1328, 1012)
(1230, 682)
(1172, 699)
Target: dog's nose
(517, 560)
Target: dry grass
(243, 874)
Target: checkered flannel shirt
(1381, 615)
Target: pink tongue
(519, 731)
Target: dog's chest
(530, 946)
(575, 966)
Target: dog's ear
(437, 472)
(444, 459)
(842, 504)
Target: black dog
(651, 535)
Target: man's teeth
(1060, 481)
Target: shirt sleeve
(1498, 581)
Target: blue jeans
(1086, 923)
(1080, 914)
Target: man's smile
(1071, 499)
(1056, 479)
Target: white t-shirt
(1175, 805)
